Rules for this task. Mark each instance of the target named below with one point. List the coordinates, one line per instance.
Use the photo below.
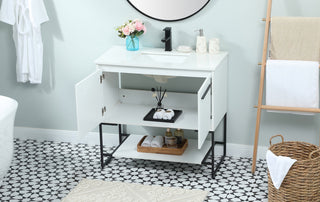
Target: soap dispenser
(201, 42)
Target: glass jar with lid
(170, 140)
(179, 134)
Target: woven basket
(302, 183)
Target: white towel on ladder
(291, 83)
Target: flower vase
(132, 43)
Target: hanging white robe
(26, 17)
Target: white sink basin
(166, 57)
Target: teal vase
(132, 43)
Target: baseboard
(235, 150)
(73, 137)
(241, 150)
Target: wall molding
(92, 138)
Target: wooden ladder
(260, 106)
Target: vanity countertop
(158, 58)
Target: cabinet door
(204, 111)
(89, 104)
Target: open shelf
(192, 154)
(132, 114)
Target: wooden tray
(163, 150)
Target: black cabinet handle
(206, 92)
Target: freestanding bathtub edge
(8, 108)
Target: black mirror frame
(169, 20)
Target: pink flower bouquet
(133, 28)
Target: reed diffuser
(159, 95)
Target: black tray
(149, 116)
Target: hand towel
(292, 84)
(157, 141)
(147, 141)
(158, 114)
(169, 113)
(278, 167)
(295, 38)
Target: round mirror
(168, 10)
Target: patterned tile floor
(47, 171)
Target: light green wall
(80, 31)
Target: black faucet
(167, 39)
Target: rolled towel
(157, 141)
(169, 113)
(158, 114)
(147, 141)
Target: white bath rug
(97, 190)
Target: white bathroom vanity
(101, 100)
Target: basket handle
(315, 151)
(274, 137)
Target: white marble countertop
(158, 58)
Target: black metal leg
(224, 146)
(225, 135)
(109, 155)
(212, 157)
(101, 146)
(214, 169)
(120, 132)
